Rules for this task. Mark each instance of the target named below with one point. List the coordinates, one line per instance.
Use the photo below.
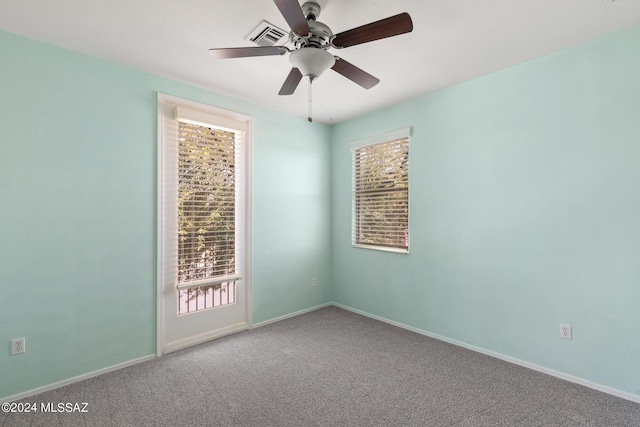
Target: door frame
(162, 100)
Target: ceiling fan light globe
(312, 62)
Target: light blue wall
(291, 231)
(78, 211)
(525, 213)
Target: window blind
(206, 202)
(201, 194)
(380, 184)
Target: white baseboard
(287, 316)
(202, 338)
(171, 347)
(237, 328)
(76, 379)
(544, 370)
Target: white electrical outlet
(18, 346)
(565, 331)
(313, 282)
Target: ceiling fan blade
(388, 27)
(355, 74)
(291, 83)
(292, 13)
(243, 52)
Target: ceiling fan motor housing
(319, 35)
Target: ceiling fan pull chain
(310, 99)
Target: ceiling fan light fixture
(312, 62)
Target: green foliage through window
(206, 203)
(381, 194)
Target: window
(206, 202)
(202, 207)
(380, 188)
(206, 217)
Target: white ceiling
(452, 41)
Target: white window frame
(196, 113)
(359, 143)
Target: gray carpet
(330, 368)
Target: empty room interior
(501, 217)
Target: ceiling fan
(311, 41)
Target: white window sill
(381, 248)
